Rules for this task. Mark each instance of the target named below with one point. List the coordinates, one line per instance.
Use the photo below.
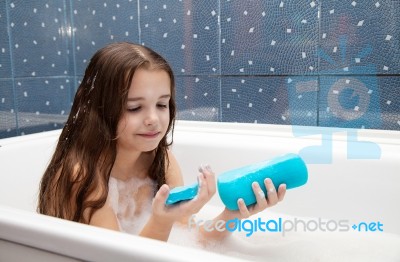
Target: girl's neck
(127, 166)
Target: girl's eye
(162, 105)
(134, 109)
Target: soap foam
(131, 201)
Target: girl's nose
(151, 118)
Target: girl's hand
(263, 201)
(206, 180)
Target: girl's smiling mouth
(149, 134)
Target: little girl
(112, 167)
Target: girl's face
(146, 117)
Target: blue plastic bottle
(288, 169)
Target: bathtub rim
(251, 129)
(90, 243)
(286, 131)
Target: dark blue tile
(5, 62)
(350, 102)
(360, 102)
(39, 38)
(270, 100)
(186, 33)
(389, 89)
(303, 100)
(97, 23)
(8, 116)
(77, 81)
(198, 98)
(269, 37)
(360, 34)
(43, 103)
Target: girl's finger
(160, 197)
(281, 192)
(210, 179)
(243, 208)
(202, 193)
(260, 196)
(272, 196)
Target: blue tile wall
(289, 62)
(269, 37)
(5, 67)
(358, 34)
(94, 24)
(185, 32)
(266, 100)
(8, 116)
(38, 47)
(198, 98)
(43, 103)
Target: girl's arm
(163, 217)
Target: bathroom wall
(289, 62)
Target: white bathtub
(355, 190)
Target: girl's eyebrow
(142, 98)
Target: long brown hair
(86, 149)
